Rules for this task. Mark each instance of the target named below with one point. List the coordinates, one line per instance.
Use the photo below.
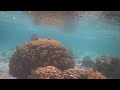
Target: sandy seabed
(4, 71)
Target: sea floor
(4, 71)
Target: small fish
(49, 38)
(34, 37)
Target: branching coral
(39, 53)
(82, 74)
(49, 72)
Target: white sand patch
(4, 71)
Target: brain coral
(49, 72)
(82, 74)
(39, 53)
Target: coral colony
(39, 53)
(46, 59)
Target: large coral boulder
(49, 72)
(39, 53)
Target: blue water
(91, 35)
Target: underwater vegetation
(48, 72)
(48, 59)
(39, 53)
(108, 66)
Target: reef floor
(4, 71)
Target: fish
(34, 37)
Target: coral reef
(112, 15)
(49, 72)
(87, 62)
(108, 66)
(39, 53)
(71, 74)
(82, 74)
(95, 75)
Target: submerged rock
(87, 62)
(108, 66)
(39, 53)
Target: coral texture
(49, 72)
(108, 66)
(39, 53)
(82, 74)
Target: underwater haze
(89, 33)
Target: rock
(87, 62)
(108, 66)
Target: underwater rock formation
(49, 72)
(82, 74)
(87, 62)
(39, 53)
(108, 66)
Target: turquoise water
(92, 34)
